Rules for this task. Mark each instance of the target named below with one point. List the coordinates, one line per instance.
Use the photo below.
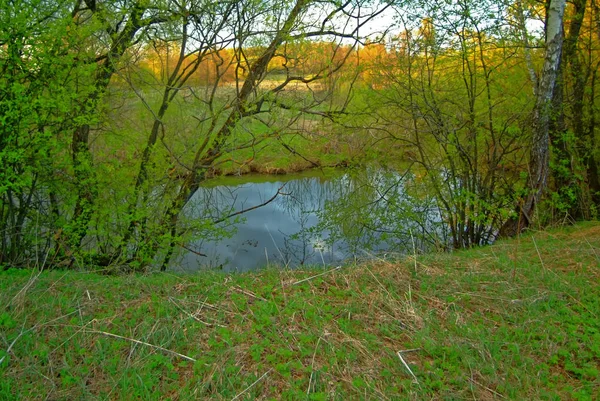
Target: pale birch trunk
(539, 162)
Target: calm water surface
(286, 231)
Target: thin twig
(275, 243)
(267, 257)
(12, 344)
(79, 330)
(407, 367)
(317, 275)
(406, 351)
(379, 282)
(252, 385)
(133, 340)
(28, 285)
(193, 251)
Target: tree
(448, 103)
(40, 95)
(255, 102)
(119, 28)
(572, 135)
(539, 159)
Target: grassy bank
(517, 320)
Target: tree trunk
(539, 166)
(591, 163)
(206, 155)
(565, 175)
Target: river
(318, 218)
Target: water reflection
(318, 219)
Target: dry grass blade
(133, 340)
(12, 344)
(465, 306)
(538, 252)
(252, 385)
(317, 275)
(35, 274)
(276, 247)
(192, 316)
(312, 367)
(407, 367)
(412, 238)
(593, 250)
(248, 293)
(487, 388)
(379, 282)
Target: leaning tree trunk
(539, 162)
(207, 154)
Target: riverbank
(298, 153)
(274, 159)
(516, 320)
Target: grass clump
(517, 320)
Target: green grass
(518, 320)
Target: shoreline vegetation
(515, 320)
(274, 169)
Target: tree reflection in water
(320, 219)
